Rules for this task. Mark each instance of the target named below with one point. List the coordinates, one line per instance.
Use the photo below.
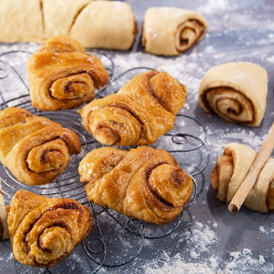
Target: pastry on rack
(139, 113)
(63, 76)
(231, 169)
(143, 183)
(237, 92)
(4, 230)
(96, 24)
(44, 231)
(35, 149)
(171, 31)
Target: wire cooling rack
(116, 239)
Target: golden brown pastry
(62, 76)
(171, 31)
(144, 183)
(237, 92)
(44, 231)
(99, 24)
(105, 24)
(35, 149)
(230, 170)
(4, 230)
(141, 111)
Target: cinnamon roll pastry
(44, 231)
(63, 76)
(231, 169)
(141, 111)
(171, 31)
(237, 92)
(35, 149)
(105, 24)
(143, 183)
(4, 230)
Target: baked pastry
(4, 230)
(140, 112)
(35, 149)
(62, 76)
(44, 231)
(104, 24)
(237, 92)
(171, 31)
(231, 169)
(143, 183)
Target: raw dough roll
(143, 183)
(63, 76)
(44, 231)
(237, 92)
(4, 230)
(230, 170)
(21, 21)
(141, 111)
(105, 24)
(35, 149)
(171, 31)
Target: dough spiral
(230, 170)
(144, 183)
(35, 149)
(4, 230)
(237, 92)
(171, 31)
(43, 231)
(141, 111)
(63, 76)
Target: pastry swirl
(237, 92)
(43, 231)
(144, 183)
(171, 31)
(35, 149)
(231, 169)
(63, 76)
(140, 112)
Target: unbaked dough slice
(239, 158)
(237, 92)
(105, 24)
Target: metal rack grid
(98, 246)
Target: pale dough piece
(171, 31)
(237, 92)
(60, 15)
(21, 21)
(105, 24)
(241, 157)
(4, 230)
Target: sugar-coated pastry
(143, 183)
(44, 231)
(139, 113)
(171, 31)
(63, 76)
(35, 149)
(231, 169)
(237, 92)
